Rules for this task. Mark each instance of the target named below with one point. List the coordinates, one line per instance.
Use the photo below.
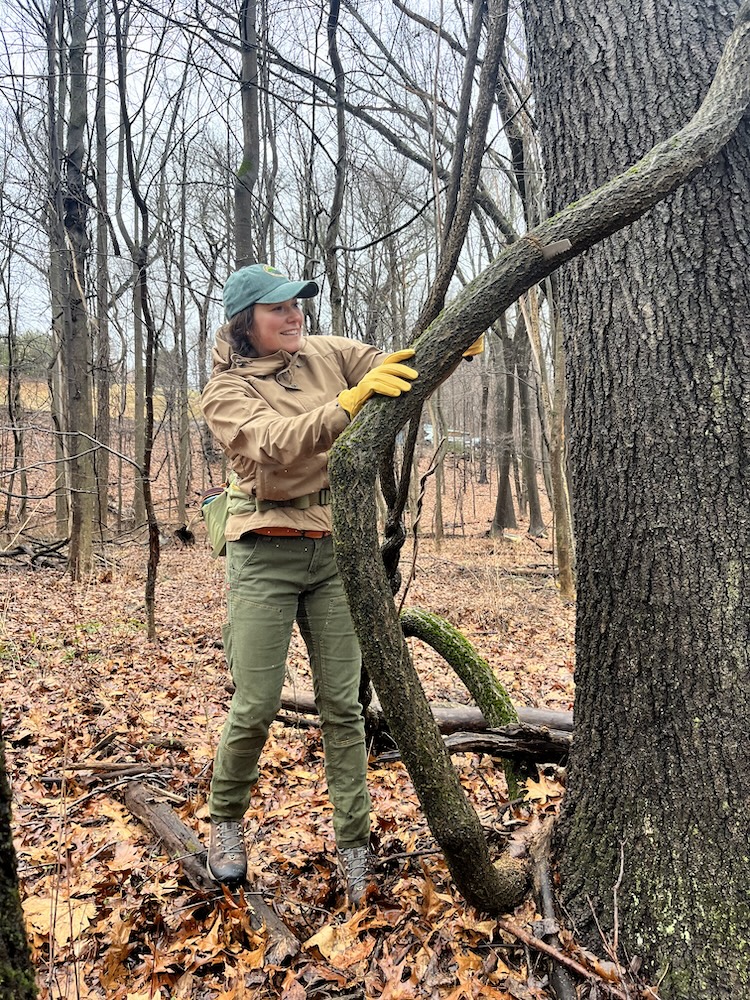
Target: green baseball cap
(262, 283)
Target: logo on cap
(269, 269)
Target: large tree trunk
(359, 451)
(657, 322)
(16, 972)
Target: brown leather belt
(290, 533)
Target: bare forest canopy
(150, 152)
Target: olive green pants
(272, 581)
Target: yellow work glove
(390, 378)
(476, 348)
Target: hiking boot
(355, 864)
(227, 859)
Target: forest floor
(111, 916)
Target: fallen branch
(143, 801)
(121, 770)
(514, 742)
(45, 554)
(469, 719)
(461, 655)
(184, 846)
(113, 767)
(465, 718)
(509, 742)
(558, 956)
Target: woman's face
(277, 326)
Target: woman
(276, 402)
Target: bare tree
(8, 238)
(526, 389)
(102, 367)
(505, 514)
(554, 399)
(247, 175)
(140, 249)
(77, 358)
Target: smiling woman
(276, 327)
(276, 402)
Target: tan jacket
(276, 418)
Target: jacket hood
(222, 351)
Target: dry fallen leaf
(85, 685)
(543, 790)
(67, 919)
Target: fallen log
(516, 743)
(464, 718)
(182, 844)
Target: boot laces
(229, 839)
(356, 864)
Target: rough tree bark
(657, 323)
(359, 451)
(16, 971)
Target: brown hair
(238, 333)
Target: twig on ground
(570, 963)
(123, 770)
